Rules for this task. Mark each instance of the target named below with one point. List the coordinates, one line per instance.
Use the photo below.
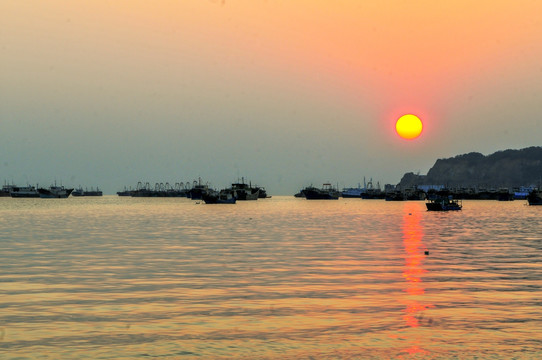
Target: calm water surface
(280, 278)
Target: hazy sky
(284, 93)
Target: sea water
(281, 278)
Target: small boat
(219, 197)
(327, 192)
(54, 192)
(534, 198)
(442, 203)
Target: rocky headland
(502, 169)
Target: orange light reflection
(413, 270)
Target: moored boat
(80, 192)
(443, 203)
(125, 192)
(327, 192)
(534, 198)
(352, 192)
(243, 191)
(301, 193)
(505, 195)
(198, 190)
(219, 197)
(6, 190)
(54, 192)
(262, 194)
(372, 192)
(395, 196)
(24, 192)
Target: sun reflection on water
(413, 272)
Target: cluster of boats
(52, 192)
(92, 192)
(29, 191)
(436, 200)
(329, 192)
(199, 191)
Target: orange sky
(393, 56)
(347, 64)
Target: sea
(279, 278)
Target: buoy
(426, 252)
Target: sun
(409, 126)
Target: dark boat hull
(320, 195)
(437, 206)
(15, 195)
(87, 193)
(534, 198)
(58, 194)
(213, 199)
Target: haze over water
(279, 278)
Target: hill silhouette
(507, 168)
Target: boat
(371, 192)
(522, 192)
(24, 192)
(443, 203)
(243, 191)
(534, 198)
(160, 190)
(352, 192)
(6, 190)
(504, 195)
(54, 192)
(262, 192)
(327, 192)
(395, 195)
(405, 194)
(219, 197)
(125, 192)
(80, 192)
(301, 193)
(198, 190)
(414, 194)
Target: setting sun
(409, 126)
